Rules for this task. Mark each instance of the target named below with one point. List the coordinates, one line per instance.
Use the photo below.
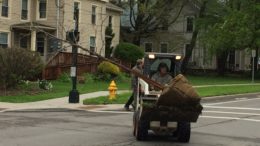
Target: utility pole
(74, 37)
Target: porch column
(12, 39)
(33, 40)
(45, 53)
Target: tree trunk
(221, 62)
(193, 40)
(137, 40)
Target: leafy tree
(128, 52)
(227, 26)
(189, 50)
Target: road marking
(231, 118)
(234, 113)
(112, 112)
(242, 100)
(235, 108)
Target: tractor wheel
(183, 132)
(134, 123)
(141, 130)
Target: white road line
(217, 103)
(112, 112)
(231, 118)
(235, 108)
(234, 113)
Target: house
(177, 37)
(28, 23)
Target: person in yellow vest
(139, 68)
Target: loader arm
(145, 78)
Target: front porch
(31, 36)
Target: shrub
(128, 52)
(123, 77)
(64, 77)
(89, 78)
(107, 71)
(45, 85)
(108, 68)
(17, 65)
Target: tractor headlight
(178, 57)
(151, 56)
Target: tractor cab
(152, 61)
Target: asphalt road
(229, 122)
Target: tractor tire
(134, 123)
(183, 132)
(141, 130)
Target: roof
(29, 25)
(113, 7)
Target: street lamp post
(74, 37)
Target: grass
(214, 80)
(203, 92)
(60, 89)
(32, 93)
(121, 98)
(225, 90)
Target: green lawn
(60, 89)
(203, 92)
(214, 80)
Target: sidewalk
(54, 103)
(63, 102)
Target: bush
(64, 77)
(89, 78)
(107, 71)
(108, 68)
(45, 85)
(128, 52)
(123, 77)
(17, 65)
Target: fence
(61, 63)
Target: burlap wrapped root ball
(179, 93)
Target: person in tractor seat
(162, 75)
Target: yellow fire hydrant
(112, 90)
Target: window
(24, 12)
(148, 47)
(92, 44)
(164, 47)
(93, 15)
(3, 40)
(110, 18)
(190, 21)
(42, 9)
(40, 45)
(5, 7)
(76, 7)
